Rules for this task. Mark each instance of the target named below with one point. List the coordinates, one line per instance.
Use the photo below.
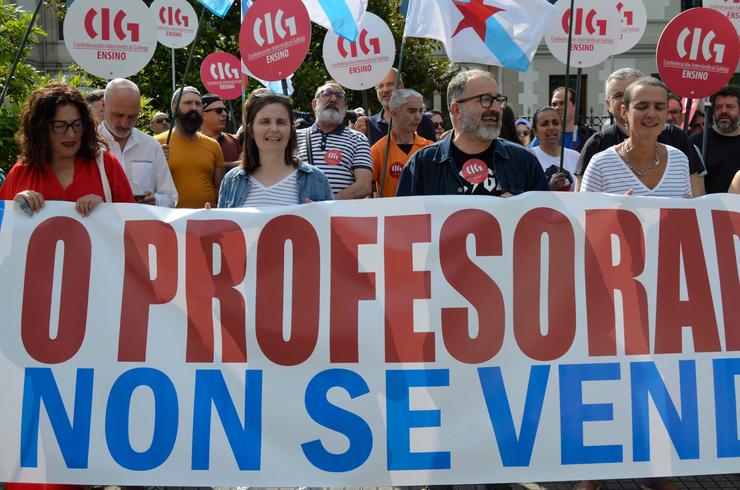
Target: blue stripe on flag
(218, 7)
(2, 211)
(503, 46)
(340, 17)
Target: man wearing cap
(377, 124)
(472, 160)
(159, 123)
(141, 156)
(215, 116)
(196, 161)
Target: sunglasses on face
(217, 110)
(161, 120)
(439, 125)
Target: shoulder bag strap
(309, 147)
(104, 177)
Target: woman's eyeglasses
(61, 127)
(439, 125)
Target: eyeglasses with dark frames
(486, 100)
(161, 120)
(61, 127)
(217, 110)
(439, 125)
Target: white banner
(376, 342)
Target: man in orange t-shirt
(406, 107)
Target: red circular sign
(396, 169)
(475, 171)
(274, 38)
(697, 53)
(220, 75)
(332, 157)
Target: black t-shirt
(612, 135)
(406, 148)
(476, 172)
(723, 159)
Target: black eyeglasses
(160, 120)
(217, 110)
(61, 127)
(439, 125)
(486, 100)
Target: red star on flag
(475, 14)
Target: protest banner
(360, 64)
(377, 342)
(596, 32)
(697, 53)
(108, 38)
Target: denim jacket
(431, 171)
(312, 184)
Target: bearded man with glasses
(343, 154)
(472, 159)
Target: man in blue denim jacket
(472, 160)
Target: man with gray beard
(343, 154)
(471, 159)
(723, 140)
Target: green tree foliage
(13, 24)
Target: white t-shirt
(551, 164)
(607, 172)
(282, 193)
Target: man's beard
(471, 124)
(189, 122)
(728, 125)
(330, 115)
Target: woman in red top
(59, 144)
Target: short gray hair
(402, 95)
(643, 82)
(622, 74)
(457, 85)
(120, 84)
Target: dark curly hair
(258, 99)
(36, 117)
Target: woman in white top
(270, 174)
(640, 165)
(548, 129)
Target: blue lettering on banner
(574, 413)
(245, 440)
(401, 419)
(515, 451)
(683, 430)
(72, 436)
(725, 407)
(166, 415)
(332, 417)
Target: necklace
(645, 171)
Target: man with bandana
(723, 140)
(471, 159)
(343, 154)
(196, 161)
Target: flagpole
(20, 51)
(390, 121)
(185, 74)
(567, 76)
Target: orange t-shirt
(396, 161)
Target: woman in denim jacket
(270, 174)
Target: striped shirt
(607, 172)
(337, 153)
(282, 193)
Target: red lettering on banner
(304, 291)
(473, 284)
(402, 286)
(139, 290)
(603, 279)
(726, 231)
(37, 287)
(202, 285)
(680, 238)
(348, 286)
(561, 284)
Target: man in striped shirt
(343, 154)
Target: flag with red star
(490, 32)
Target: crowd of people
(88, 150)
